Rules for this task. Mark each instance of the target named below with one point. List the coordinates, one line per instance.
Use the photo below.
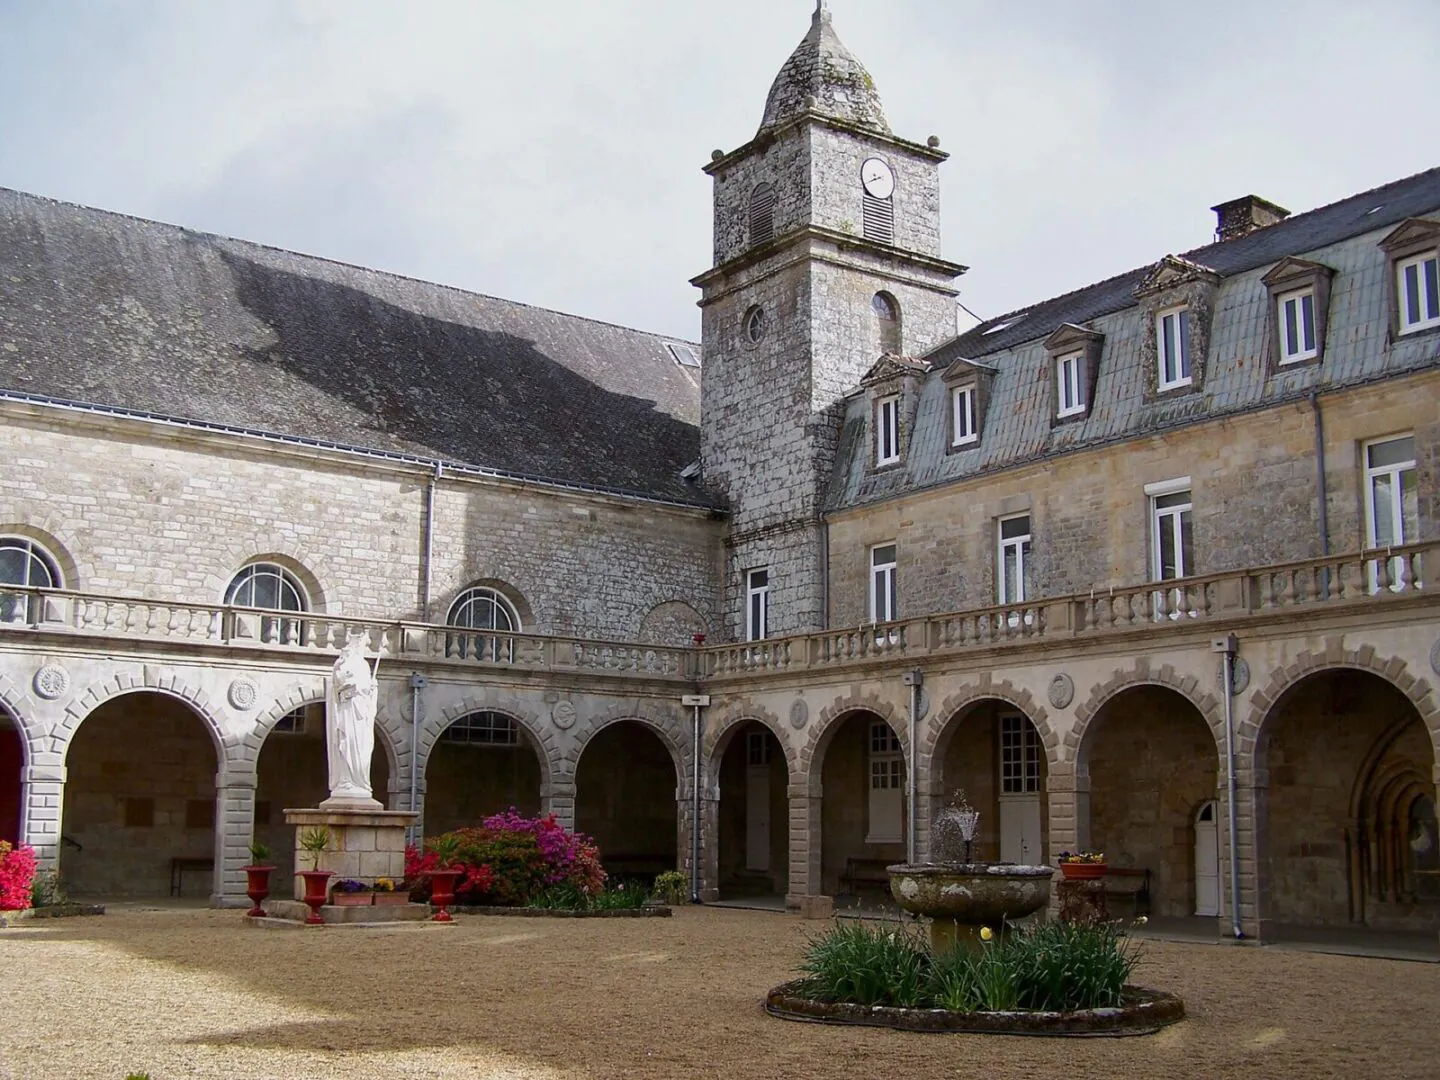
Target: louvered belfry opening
(879, 219)
(762, 215)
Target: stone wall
(836, 192)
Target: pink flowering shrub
(510, 859)
(17, 875)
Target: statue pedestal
(364, 844)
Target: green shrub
(672, 887)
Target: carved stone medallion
(799, 714)
(51, 681)
(1239, 675)
(242, 694)
(1062, 690)
(563, 715)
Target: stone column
(1251, 787)
(709, 846)
(42, 801)
(1067, 789)
(805, 851)
(558, 798)
(234, 830)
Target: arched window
(28, 565)
(887, 315)
(762, 215)
(482, 608)
(266, 585)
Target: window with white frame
(1392, 501)
(1172, 347)
(1173, 551)
(1069, 384)
(1417, 286)
(882, 583)
(757, 604)
(963, 427)
(1019, 756)
(25, 564)
(1296, 315)
(482, 608)
(887, 786)
(266, 585)
(887, 430)
(1014, 556)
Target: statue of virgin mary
(350, 726)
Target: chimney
(1242, 216)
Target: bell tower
(826, 256)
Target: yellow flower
(986, 933)
(1141, 921)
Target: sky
(551, 152)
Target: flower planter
(1082, 871)
(351, 899)
(257, 887)
(442, 892)
(386, 899)
(317, 883)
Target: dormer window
(1296, 315)
(1417, 286)
(887, 430)
(1172, 347)
(964, 428)
(1069, 384)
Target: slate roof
(1019, 426)
(111, 310)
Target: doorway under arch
(483, 763)
(625, 798)
(12, 766)
(753, 830)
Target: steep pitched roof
(823, 76)
(1362, 213)
(112, 310)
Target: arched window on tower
(483, 608)
(887, 316)
(266, 585)
(762, 215)
(25, 564)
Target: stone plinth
(364, 844)
(293, 911)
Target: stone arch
(17, 704)
(665, 723)
(812, 755)
(1391, 669)
(511, 594)
(671, 622)
(1142, 674)
(50, 535)
(228, 747)
(735, 715)
(292, 557)
(938, 734)
(542, 737)
(312, 691)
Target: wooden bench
(1132, 882)
(860, 871)
(182, 865)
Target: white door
(757, 802)
(1207, 861)
(1020, 830)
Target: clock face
(879, 181)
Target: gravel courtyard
(197, 994)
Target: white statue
(350, 725)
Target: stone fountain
(960, 896)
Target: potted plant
(348, 892)
(386, 892)
(1082, 865)
(315, 841)
(257, 877)
(444, 876)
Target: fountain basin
(962, 898)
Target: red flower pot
(389, 899)
(442, 892)
(317, 883)
(1082, 871)
(257, 887)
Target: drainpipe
(429, 542)
(417, 683)
(1324, 512)
(914, 680)
(696, 702)
(1226, 647)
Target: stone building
(1140, 568)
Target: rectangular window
(1068, 381)
(1392, 501)
(1019, 756)
(882, 583)
(1174, 551)
(1297, 326)
(1014, 555)
(1172, 347)
(1418, 290)
(757, 606)
(757, 748)
(962, 406)
(887, 431)
(887, 786)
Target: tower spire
(822, 11)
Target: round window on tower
(755, 325)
